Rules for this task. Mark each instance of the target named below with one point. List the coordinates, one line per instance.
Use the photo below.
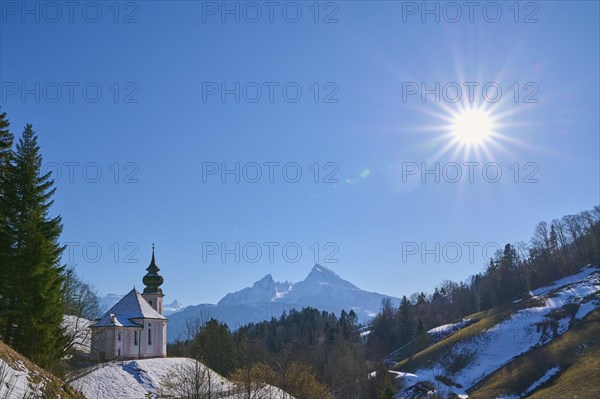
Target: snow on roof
(131, 306)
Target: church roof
(131, 306)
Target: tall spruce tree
(34, 298)
(6, 141)
(6, 156)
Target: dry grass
(52, 384)
(432, 354)
(577, 353)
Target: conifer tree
(6, 141)
(405, 315)
(420, 332)
(216, 346)
(34, 300)
(6, 155)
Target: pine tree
(6, 156)
(405, 320)
(216, 346)
(421, 333)
(34, 311)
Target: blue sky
(156, 125)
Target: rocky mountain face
(322, 289)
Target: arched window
(149, 335)
(135, 338)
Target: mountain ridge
(322, 289)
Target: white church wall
(103, 345)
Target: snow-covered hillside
(20, 378)
(322, 289)
(547, 313)
(164, 377)
(17, 381)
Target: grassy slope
(53, 385)
(485, 320)
(577, 352)
(579, 364)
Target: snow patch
(16, 382)
(449, 327)
(408, 379)
(486, 352)
(549, 374)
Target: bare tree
(82, 304)
(250, 383)
(192, 380)
(193, 324)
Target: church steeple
(153, 280)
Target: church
(134, 328)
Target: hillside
(20, 378)
(165, 377)
(543, 344)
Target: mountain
(172, 307)
(322, 289)
(543, 344)
(264, 290)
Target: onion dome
(153, 280)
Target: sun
(472, 126)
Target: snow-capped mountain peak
(264, 290)
(323, 276)
(172, 307)
(317, 268)
(322, 289)
(266, 281)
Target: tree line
(308, 353)
(555, 250)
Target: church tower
(153, 280)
